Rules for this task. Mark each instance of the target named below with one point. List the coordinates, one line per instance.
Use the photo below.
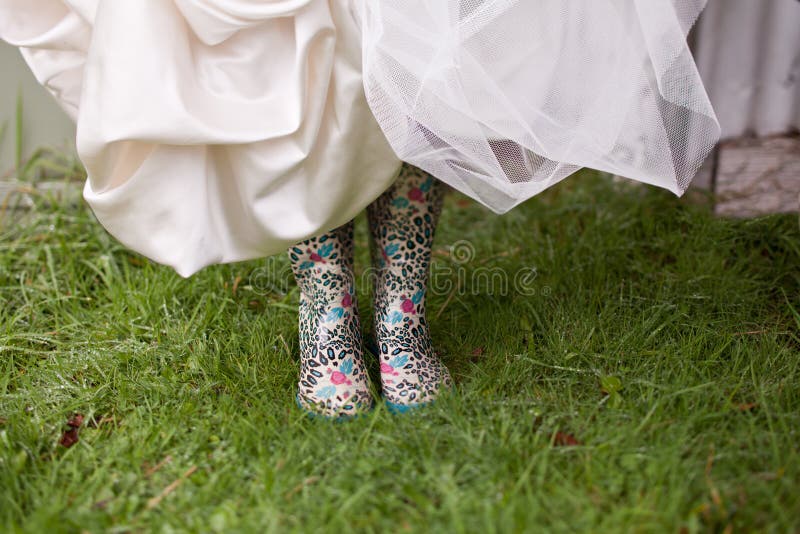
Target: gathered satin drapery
(212, 130)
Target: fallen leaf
(76, 421)
(70, 436)
(747, 406)
(563, 439)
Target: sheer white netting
(503, 98)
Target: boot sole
(335, 418)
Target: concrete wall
(748, 53)
(44, 123)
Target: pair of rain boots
(333, 378)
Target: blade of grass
(3, 129)
(18, 146)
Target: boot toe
(327, 409)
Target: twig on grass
(446, 302)
(155, 501)
(150, 471)
(306, 482)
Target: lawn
(642, 375)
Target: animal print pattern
(402, 224)
(333, 379)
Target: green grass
(662, 339)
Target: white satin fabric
(212, 130)
(222, 130)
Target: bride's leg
(333, 379)
(402, 224)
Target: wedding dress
(222, 130)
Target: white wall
(748, 53)
(44, 123)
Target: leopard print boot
(402, 223)
(333, 379)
